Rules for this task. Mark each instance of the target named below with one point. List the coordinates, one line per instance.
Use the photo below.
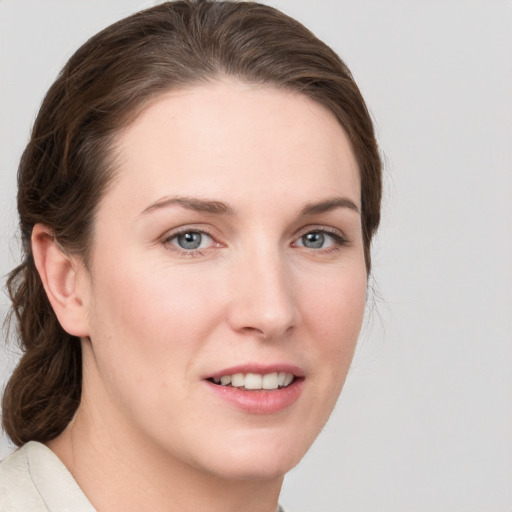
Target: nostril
(253, 331)
(268, 333)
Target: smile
(258, 389)
(255, 381)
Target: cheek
(150, 314)
(147, 332)
(336, 305)
(333, 314)
(333, 310)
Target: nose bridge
(264, 303)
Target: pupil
(189, 240)
(313, 240)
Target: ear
(64, 280)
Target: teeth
(253, 381)
(225, 380)
(269, 381)
(288, 379)
(238, 380)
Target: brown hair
(65, 167)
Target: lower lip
(259, 401)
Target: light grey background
(425, 419)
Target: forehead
(234, 138)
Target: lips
(258, 389)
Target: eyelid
(173, 233)
(186, 228)
(316, 228)
(338, 237)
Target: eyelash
(192, 253)
(338, 241)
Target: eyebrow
(191, 203)
(220, 208)
(329, 204)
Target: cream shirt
(28, 483)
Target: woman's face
(227, 257)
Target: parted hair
(67, 165)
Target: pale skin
(266, 182)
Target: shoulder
(33, 479)
(17, 488)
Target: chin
(260, 458)
(256, 468)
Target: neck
(119, 471)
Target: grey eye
(189, 241)
(313, 240)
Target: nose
(263, 303)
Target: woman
(197, 203)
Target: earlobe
(62, 278)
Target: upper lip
(262, 369)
